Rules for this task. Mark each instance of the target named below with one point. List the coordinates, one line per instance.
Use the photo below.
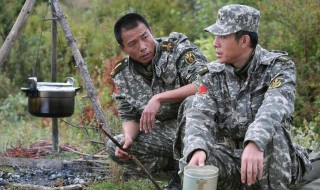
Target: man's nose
(142, 46)
(215, 42)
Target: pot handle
(30, 92)
(77, 89)
(24, 89)
(70, 80)
(33, 81)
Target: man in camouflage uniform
(240, 118)
(151, 83)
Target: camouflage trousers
(154, 149)
(284, 164)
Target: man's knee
(187, 103)
(111, 146)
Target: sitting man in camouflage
(240, 118)
(151, 83)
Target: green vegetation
(292, 26)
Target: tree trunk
(16, 29)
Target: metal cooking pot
(50, 99)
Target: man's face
(228, 50)
(138, 43)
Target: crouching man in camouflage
(151, 83)
(240, 118)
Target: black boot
(175, 182)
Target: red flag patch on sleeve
(202, 89)
(116, 90)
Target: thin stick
(135, 160)
(92, 94)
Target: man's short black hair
(127, 22)
(253, 36)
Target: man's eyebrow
(143, 34)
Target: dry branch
(17, 27)
(39, 187)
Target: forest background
(289, 25)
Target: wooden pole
(55, 129)
(16, 29)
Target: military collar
(243, 71)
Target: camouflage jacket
(253, 109)
(175, 64)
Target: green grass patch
(132, 184)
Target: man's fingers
(254, 175)
(152, 122)
(201, 163)
(249, 174)
(143, 123)
(147, 122)
(148, 125)
(260, 169)
(198, 158)
(120, 153)
(243, 171)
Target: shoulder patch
(203, 70)
(189, 57)
(283, 58)
(167, 46)
(120, 65)
(275, 83)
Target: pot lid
(51, 89)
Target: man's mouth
(218, 54)
(145, 55)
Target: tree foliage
(294, 26)
(289, 25)
(6, 19)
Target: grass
(132, 184)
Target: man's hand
(251, 164)
(147, 120)
(198, 158)
(126, 144)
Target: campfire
(27, 168)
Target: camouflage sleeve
(199, 122)
(126, 111)
(277, 106)
(191, 61)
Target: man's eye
(131, 44)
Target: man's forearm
(130, 129)
(177, 95)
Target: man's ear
(245, 40)
(122, 48)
